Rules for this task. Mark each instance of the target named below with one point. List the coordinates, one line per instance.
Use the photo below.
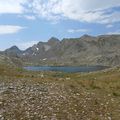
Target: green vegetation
(26, 95)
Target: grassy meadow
(27, 95)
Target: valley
(55, 95)
(59, 60)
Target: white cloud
(12, 6)
(109, 26)
(27, 44)
(91, 11)
(117, 32)
(30, 17)
(10, 29)
(77, 30)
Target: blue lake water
(66, 68)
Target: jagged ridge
(87, 50)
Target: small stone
(109, 118)
(0, 116)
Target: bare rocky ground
(59, 96)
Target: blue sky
(26, 22)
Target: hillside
(55, 95)
(86, 50)
(10, 61)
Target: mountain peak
(86, 36)
(14, 48)
(53, 39)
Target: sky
(26, 22)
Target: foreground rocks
(55, 97)
(51, 101)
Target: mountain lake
(71, 69)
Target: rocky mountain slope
(10, 61)
(86, 50)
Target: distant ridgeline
(86, 50)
